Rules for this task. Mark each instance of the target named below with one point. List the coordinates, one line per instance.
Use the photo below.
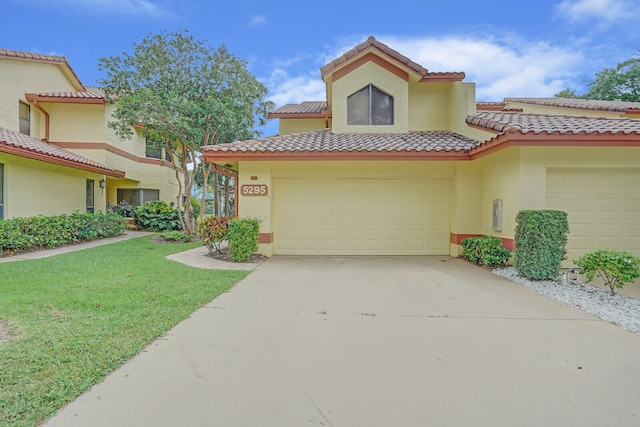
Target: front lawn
(73, 318)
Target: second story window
(370, 106)
(25, 118)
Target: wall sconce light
(103, 184)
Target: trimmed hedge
(541, 237)
(45, 232)
(243, 238)
(487, 251)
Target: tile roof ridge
(381, 47)
(10, 53)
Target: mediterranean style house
(57, 154)
(399, 160)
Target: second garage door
(602, 205)
(361, 217)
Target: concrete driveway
(375, 341)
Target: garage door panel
(603, 207)
(361, 216)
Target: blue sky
(508, 48)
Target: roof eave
(217, 156)
(10, 149)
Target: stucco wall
(370, 73)
(289, 126)
(19, 77)
(39, 188)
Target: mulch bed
(223, 255)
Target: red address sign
(254, 190)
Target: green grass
(74, 318)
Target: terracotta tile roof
(32, 56)
(90, 93)
(305, 107)
(22, 145)
(583, 104)
(37, 57)
(372, 43)
(325, 141)
(542, 123)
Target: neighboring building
(402, 161)
(57, 154)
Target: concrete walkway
(375, 341)
(72, 248)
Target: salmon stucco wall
(35, 187)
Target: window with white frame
(24, 115)
(370, 106)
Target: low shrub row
(486, 251)
(38, 232)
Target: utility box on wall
(497, 215)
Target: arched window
(370, 106)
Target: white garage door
(361, 217)
(603, 207)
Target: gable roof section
(12, 142)
(325, 145)
(50, 59)
(306, 109)
(549, 124)
(92, 95)
(582, 104)
(521, 129)
(359, 55)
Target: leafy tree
(567, 93)
(610, 84)
(183, 95)
(621, 82)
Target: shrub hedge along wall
(541, 237)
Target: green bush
(541, 237)
(156, 216)
(43, 232)
(213, 231)
(176, 236)
(487, 251)
(243, 238)
(615, 268)
(123, 209)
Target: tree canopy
(183, 94)
(619, 83)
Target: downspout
(46, 118)
(235, 187)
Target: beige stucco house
(57, 154)
(399, 160)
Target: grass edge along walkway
(75, 317)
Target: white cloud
(607, 11)
(500, 68)
(258, 21)
(286, 89)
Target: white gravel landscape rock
(617, 309)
